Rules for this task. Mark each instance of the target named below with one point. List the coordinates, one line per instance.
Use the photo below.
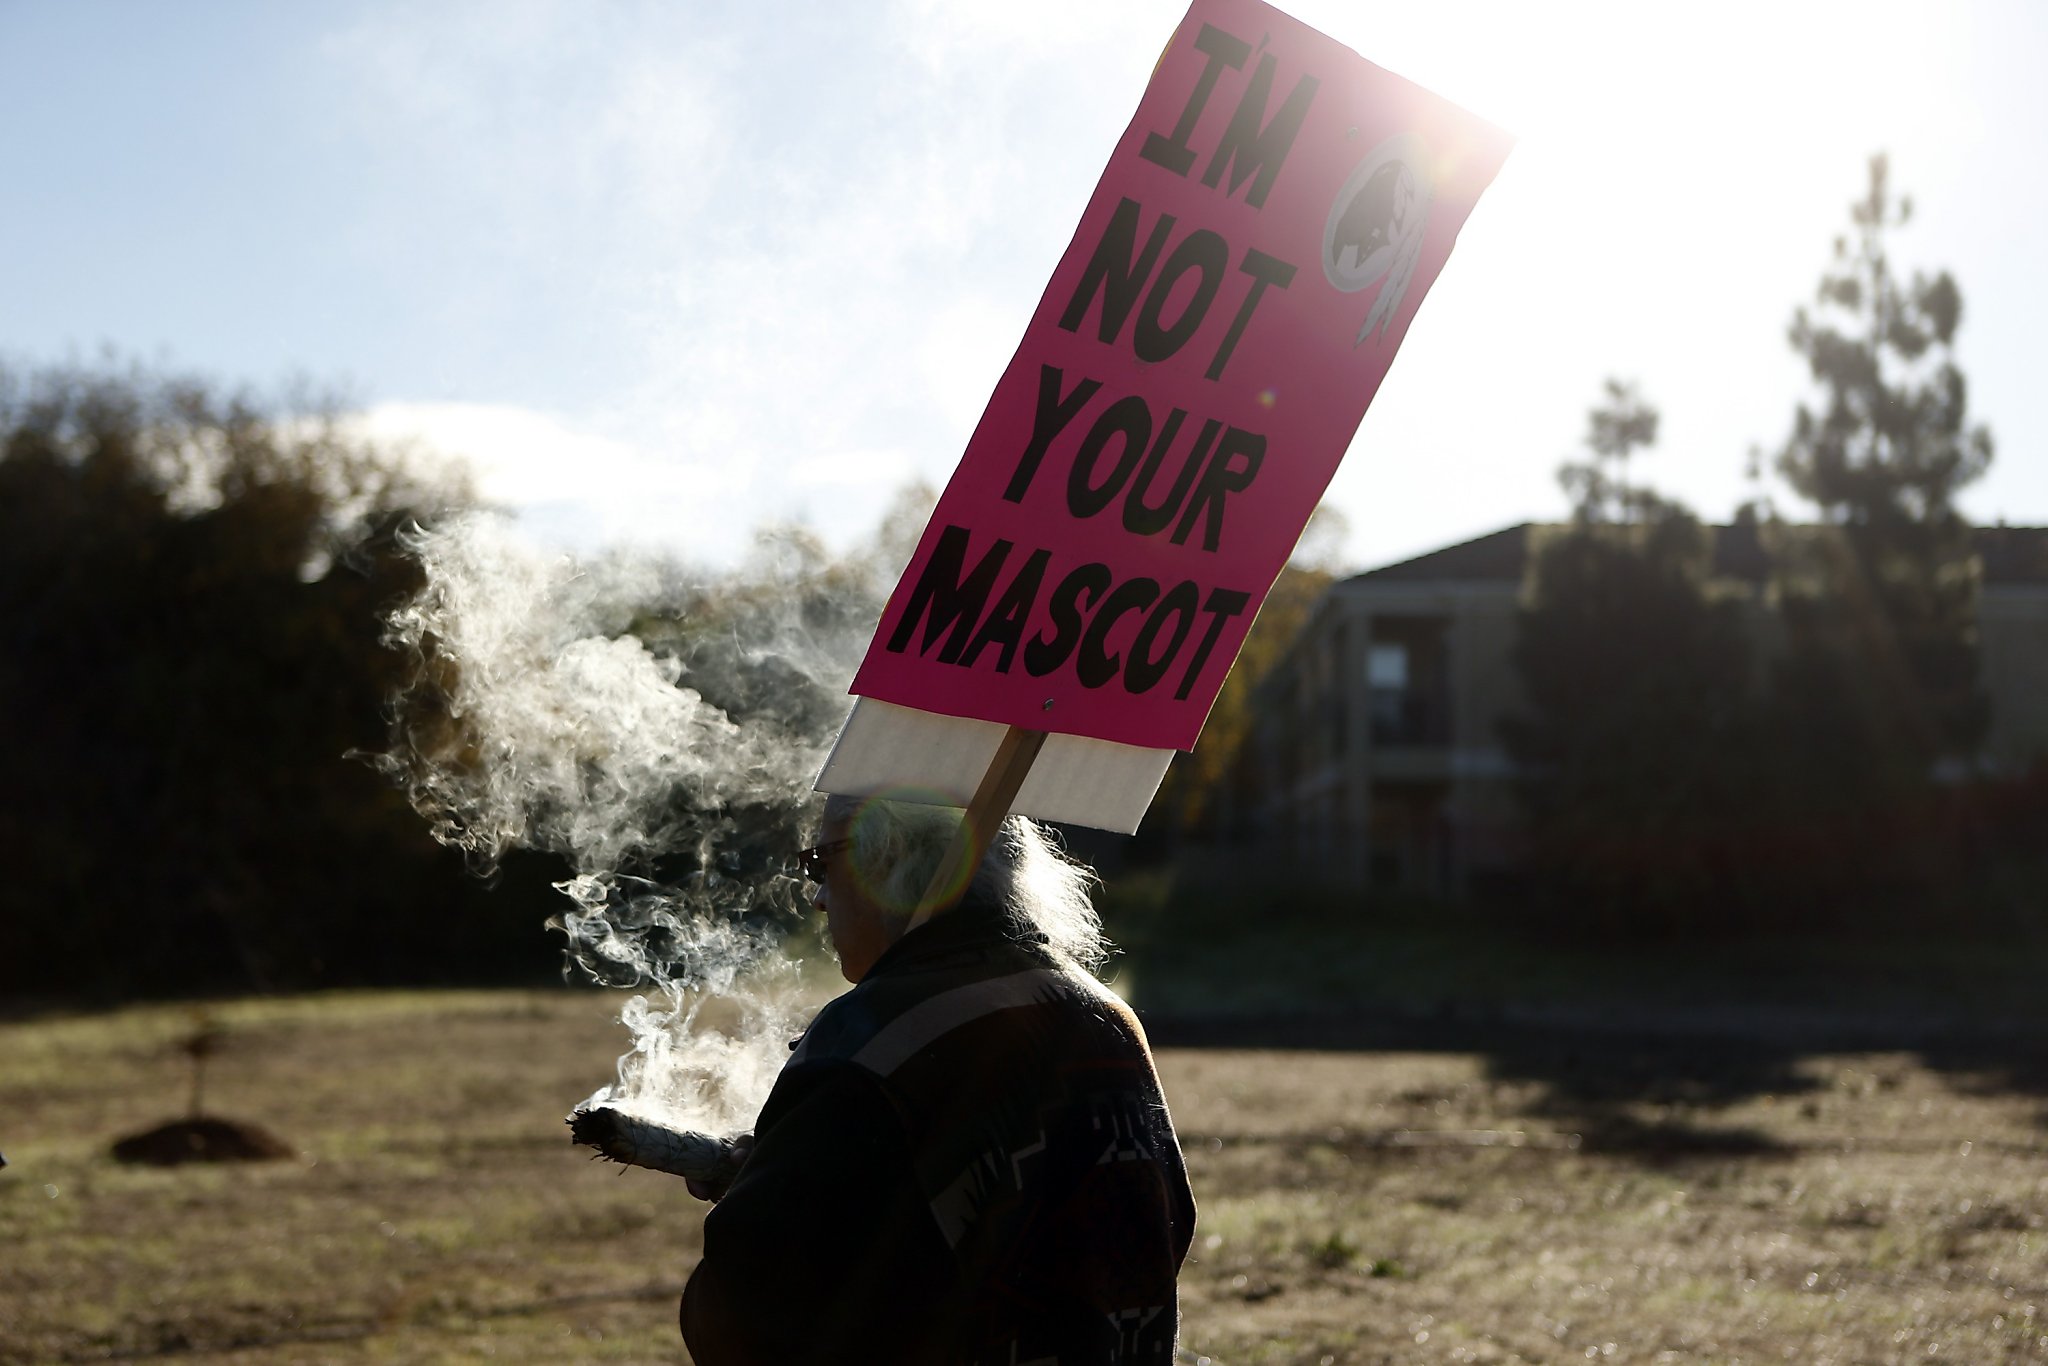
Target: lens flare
(942, 807)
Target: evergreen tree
(1884, 602)
(1878, 688)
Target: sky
(666, 272)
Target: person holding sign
(967, 1157)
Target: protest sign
(1233, 296)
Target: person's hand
(714, 1191)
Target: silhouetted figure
(967, 1157)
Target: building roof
(2011, 555)
(1499, 555)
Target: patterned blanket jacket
(966, 1160)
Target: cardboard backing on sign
(922, 756)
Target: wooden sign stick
(990, 805)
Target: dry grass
(1356, 1207)
(438, 1212)
(1412, 1207)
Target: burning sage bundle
(640, 1142)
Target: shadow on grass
(1589, 1084)
(1601, 1034)
(1657, 1143)
(2000, 1068)
(1669, 1143)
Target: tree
(1599, 487)
(190, 583)
(1890, 594)
(1187, 798)
(1879, 683)
(1636, 681)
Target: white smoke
(660, 729)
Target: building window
(1386, 666)
(1386, 684)
(1406, 681)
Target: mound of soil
(202, 1140)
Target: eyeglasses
(814, 861)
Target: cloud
(573, 486)
(743, 251)
(884, 468)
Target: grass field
(1464, 1193)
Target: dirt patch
(202, 1140)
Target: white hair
(897, 848)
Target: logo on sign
(1376, 225)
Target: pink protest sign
(1232, 298)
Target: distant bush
(190, 589)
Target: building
(1377, 756)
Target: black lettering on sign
(1128, 418)
(1146, 669)
(1005, 624)
(1096, 666)
(1223, 604)
(1221, 477)
(1254, 152)
(1115, 449)
(1054, 411)
(1118, 269)
(1202, 250)
(1144, 519)
(1223, 50)
(1087, 610)
(952, 598)
(1047, 652)
(1265, 270)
